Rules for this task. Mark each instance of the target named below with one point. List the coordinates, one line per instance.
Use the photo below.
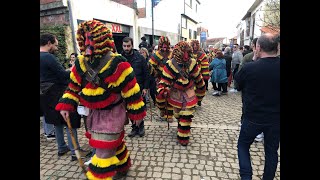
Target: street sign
(155, 2)
(203, 36)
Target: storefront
(119, 31)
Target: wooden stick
(76, 148)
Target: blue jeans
(248, 133)
(47, 128)
(62, 146)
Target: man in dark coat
(55, 80)
(140, 69)
(144, 44)
(259, 83)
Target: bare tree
(271, 15)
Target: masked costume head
(182, 52)
(94, 39)
(164, 44)
(195, 45)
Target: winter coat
(140, 68)
(219, 72)
(228, 58)
(48, 103)
(52, 71)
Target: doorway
(117, 38)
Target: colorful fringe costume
(181, 85)
(111, 101)
(158, 62)
(203, 63)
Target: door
(117, 37)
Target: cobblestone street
(210, 155)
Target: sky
(221, 17)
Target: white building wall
(167, 17)
(108, 11)
(258, 23)
(240, 27)
(190, 11)
(257, 26)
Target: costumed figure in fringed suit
(180, 82)
(112, 94)
(158, 61)
(203, 64)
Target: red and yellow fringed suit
(203, 63)
(108, 103)
(157, 62)
(182, 90)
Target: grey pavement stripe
(175, 124)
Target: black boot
(199, 103)
(134, 131)
(141, 129)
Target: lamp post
(200, 30)
(152, 4)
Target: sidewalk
(211, 154)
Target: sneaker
(141, 131)
(61, 153)
(224, 93)
(259, 137)
(233, 90)
(90, 154)
(217, 93)
(134, 131)
(88, 162)
(74, 157)
(51, 137)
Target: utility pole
(152, 4)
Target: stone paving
(210, 155)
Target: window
(253, 24)
(194, 34)
(183, 22)
(190, 33)
(248, 27)
(242, 38)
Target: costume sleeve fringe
(137, 116)
(64, 106)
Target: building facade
(176, 19)
(119, 15)
(250, 25)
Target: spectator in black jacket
(259, 82)
(228, 57)
(140, 69)
(246, 50)
(144, 44)
(152, 86)
(51, 71)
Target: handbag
(44, 87)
